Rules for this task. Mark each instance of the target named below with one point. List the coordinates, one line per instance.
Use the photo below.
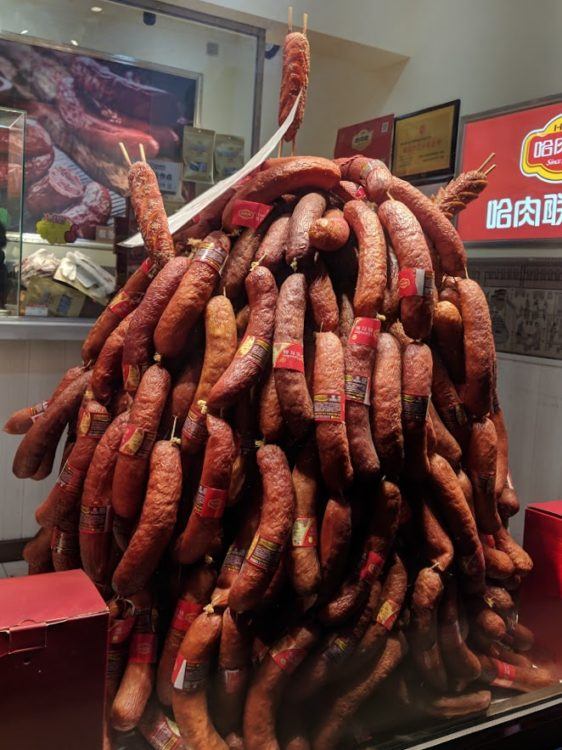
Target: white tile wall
(530, 392)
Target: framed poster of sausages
(79, 107)
(425, 142)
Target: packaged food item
(229, 155)
(197, 153)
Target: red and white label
(71, 479)
(288, 356)
(371, 567)
(365, 331)
(305, 532)
(210, 502)
(95, 519)
(194, 430)
(185, 614)
(414, 282)
(148, 268)
(122, 304)
(143, 648)
(189, 677)
(136, 441)
(38, 409)
(287, 655)
(505, 673)
(213, 255)
(249, 213)
(329, 407)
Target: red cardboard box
(53, 650)
(541, 592)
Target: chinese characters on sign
(504, 213)
(522, 202)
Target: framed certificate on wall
(425, 143)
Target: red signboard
(372, 138)
(523, 200)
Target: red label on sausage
(249, 213)
(388, 613)
(505, 673)
(148, 268)
(365, 331)
(259, 350)
(329, 407)
(122, 304)
(305, 532)
(185, 614)
(357, 388)
(414, 408)
(143, 648)
(64, 542)
(92, 424)
(263, 553)
(136, 441)
(360, 193)
(163, 735)
(71, 479)
(288, 356)
(37, 410)
(120, 630)
(189, 677)
(212, 254)
(234, 558)
(95, 519)
(210, 502)
(371, 567)
(415, 282)
(194, 430)
(287, 655)
(132, 375)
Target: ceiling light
(96, 9)
(74, 42)
(24, 31)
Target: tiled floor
(13, 569)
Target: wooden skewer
(481, 167)
(290, 18)
(125, 154)
(280, 149)
(490, 169)
(304, 23)
(142, 153)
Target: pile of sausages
(286, 468)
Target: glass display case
(12, 142)
(84, 79)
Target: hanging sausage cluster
(286, 468)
